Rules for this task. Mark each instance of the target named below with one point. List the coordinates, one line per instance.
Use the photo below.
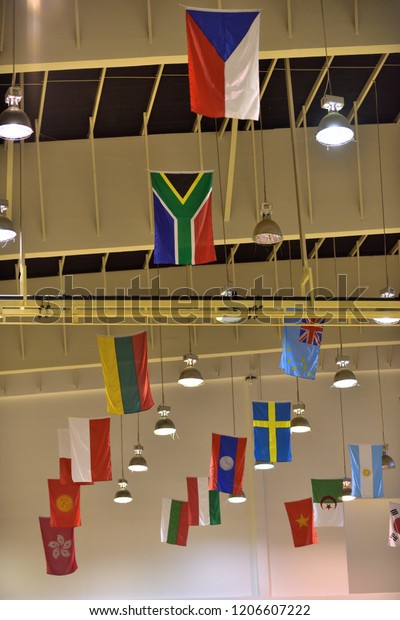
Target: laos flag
(223, 63)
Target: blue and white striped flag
(366, 469)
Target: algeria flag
(327, 502)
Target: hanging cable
(343, 443)
(381, 183)
(263, 159)
(380, 394)
(259, 374)
(122, 451)
(233, 399)
(335, 264)
(328, 77)
(222, 207)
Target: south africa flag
(183, 233)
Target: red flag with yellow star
(301, 521)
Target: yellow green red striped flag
(125, 373)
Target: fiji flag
(223, 62)
(301, 346)
(227, 464)
(366, 470)
(183, 233)
(271, 422)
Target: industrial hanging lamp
(299, 423)
(261, 465)
(14, 122)
(344, 377)
(334, 129)
(164, 426)
(347, 492)
(138, 462)
(387, 461)
(123, 495)
(383, 317)
(190, 376)
(267, 231)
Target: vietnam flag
(59, 548)
(90, 449)
(65, 504)
(125, 371)
(301, 521)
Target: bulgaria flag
(223, 50)
(327, 502)
(174, 522)
(90, 449)
(125, 371)
(204, 505)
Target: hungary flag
(204, 505)
(174, 522)
(327, 503)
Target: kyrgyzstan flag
(59, 548)
(90, 449)
(65, 504)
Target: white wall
(250, 555)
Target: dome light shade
(347, 495)
(267, 232)
(387, 461)
(190, 377)
(123, 495)
(263, 465)
(299, 423)
(383, 319)
(334, 130)
(237, 498)
(7, 232)
(165, 425)
(344, 377)
(14, 123)
(138, 462)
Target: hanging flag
(301, 346)
(183, 233)
(271, 423)
(65, 504)
(59, 548)
(125, 372)
(204, 505)
(366, 470)
(223, 50)
(174, 521)
(64, 453)
(327, 502)
(90, 449)
(301, 521)
(394, 525)
(227, 463)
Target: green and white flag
(327, 502)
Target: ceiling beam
(264, 85)
(356, 248)
(97, 98)
(367, 86)
(314, 90)
(153, 94)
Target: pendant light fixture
(267, 231)
(14, 122)
(123, 495)
(235, 498)
(383, 318)
(138, 462)
(334, 129)
(299, 423)
(258, 465)
(347, 494)
(229, 314)
(164, 426)
(7, 232)
(387, 461)
(344, 377)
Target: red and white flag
(90, 449)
